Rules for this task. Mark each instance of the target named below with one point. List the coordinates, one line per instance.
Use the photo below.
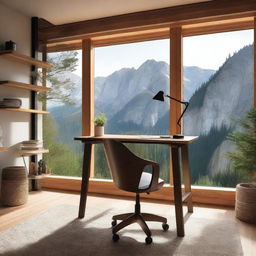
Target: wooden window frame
(208, 195)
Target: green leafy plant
(100, 120)
(61, 86)
(243, 158)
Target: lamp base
(175, 136)
(178, 136)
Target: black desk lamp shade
(159, 96)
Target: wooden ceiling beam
(156, 34)
(179, 15)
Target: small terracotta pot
(246, 202)
(99, 130)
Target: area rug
(57, 231)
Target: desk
(180, 162)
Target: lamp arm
(182, 102)
(186, 106)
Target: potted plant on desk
(99, 122)
(243, 159)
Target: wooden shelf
(32, 152)
(4, 148)
(30, 87)
(14, 56)
(25, 110)
(38, 177)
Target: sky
(206, 51)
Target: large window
(221, 95)
(218, 83)
(127, 78)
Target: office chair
(129, 173)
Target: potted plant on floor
(243, 159)
(99, 122)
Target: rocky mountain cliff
(222, 101)
(225, 98)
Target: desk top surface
(157, 139)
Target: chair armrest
(155, 173)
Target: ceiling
(66, 11)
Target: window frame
(209, 195)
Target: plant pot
(246, 202)
(99, 130)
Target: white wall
(15, 126)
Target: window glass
(126, 79)
(221, 94)
(63, 122)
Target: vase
(99, 130)
(246, 202)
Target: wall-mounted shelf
(14, 56)
(38, 177)
(32, 152)
(30, 87)
(25, 110)
(4, 148)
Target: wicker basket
(14, 189)
(246, 202)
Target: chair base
(140, 218)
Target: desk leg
(177, 191)
(186, 174)
(85, 178)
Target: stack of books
(31, 145)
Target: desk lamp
(160, 96)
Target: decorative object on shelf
(160, 96)
(243, 159)
(31, 145)
(32, 169)
(99, 122)
(41, 167)
(10, 103)
(10, 45)
(14, 189)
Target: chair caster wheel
(113, 223)
(165, 226)
(115, 237)
(148, 240)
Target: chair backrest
(126, 168)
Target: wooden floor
(39, 201)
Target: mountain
(194, 77)
(225, 98)
(221, 102)
(135, 106)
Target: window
(127, 78)
(63, 122)
(222, 94)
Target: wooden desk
(180, 162)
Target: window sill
(201, 194)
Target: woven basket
(246, 202)
(14, 189)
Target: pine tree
(61, 89)
(243, 158)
